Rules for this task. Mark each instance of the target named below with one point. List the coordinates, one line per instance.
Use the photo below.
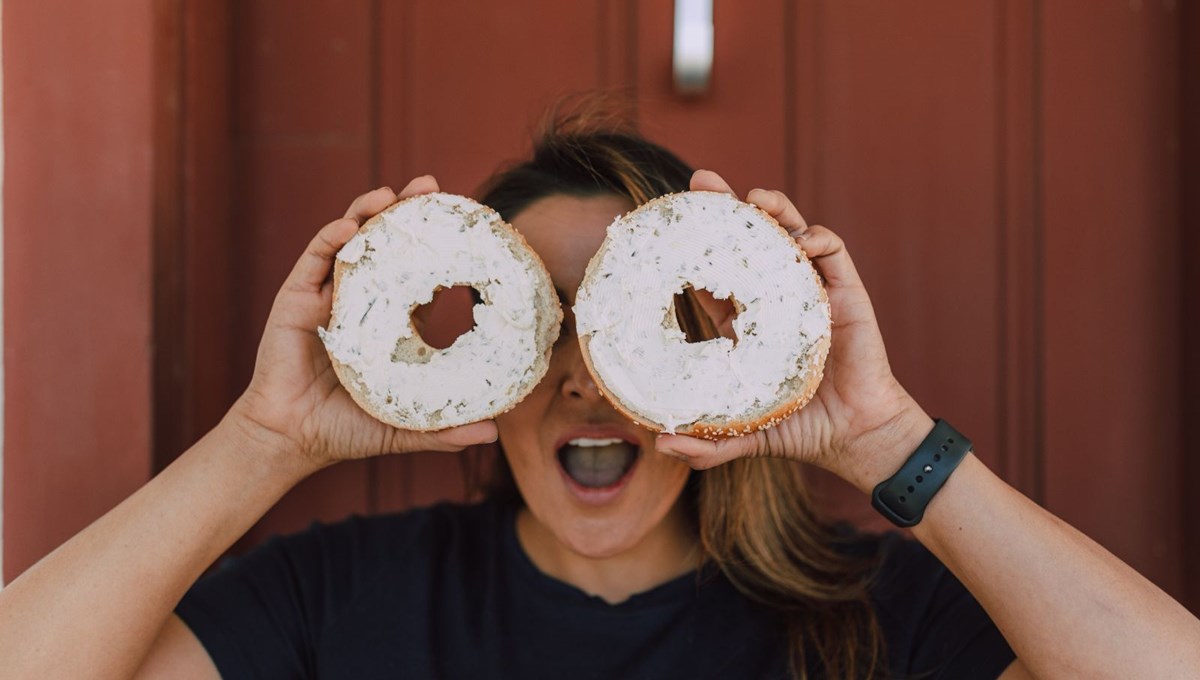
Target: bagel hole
(448, 316)
(703, 316)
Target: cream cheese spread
(713, 241)
(395, 265)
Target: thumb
(707, 180)
(702, 454)
(456, 438)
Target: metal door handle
(693, 54)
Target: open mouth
(597, 463)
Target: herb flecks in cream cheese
(432, 241)
(705, 240)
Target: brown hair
(756, 522)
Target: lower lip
(598, 495)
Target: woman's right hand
(295, 398)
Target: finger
(370, 204)
(707, 180)
(778, 205)
(702, 454)
(314, 265)
(483, 432)
(828, 253)
(425, 184)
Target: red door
(986, 163)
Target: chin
(615, 534)
(597, 539)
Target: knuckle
(321, 239)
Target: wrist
(878, 453)
(262, 444)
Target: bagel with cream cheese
(395, 263)
(640, 358)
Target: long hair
(756, 522)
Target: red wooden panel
(462, 88)
(896, 149)
(77, 309)
(616, 24)
(211, 279)
(737, 128)
(1112, 302)
(1019, 453)
(303, 150)
(463, 84)
(1190, 255)
(195, 292)
(170, 371)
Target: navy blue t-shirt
(447, 592)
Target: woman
(705, 560)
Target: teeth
(584, 441)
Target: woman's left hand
(1061, 619)
(861, 423)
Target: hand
(295, 397)
(861, 424)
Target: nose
(577, 381)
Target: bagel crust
(395, 263)
(637, 353)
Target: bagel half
(395, 263)
(641, 360)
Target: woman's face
(589, 476)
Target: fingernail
(388, 189)
(803, 236)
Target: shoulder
(330, 589)
(900, 564)
(347, 555)
(904, 574)
(929, 620)
(320, 571)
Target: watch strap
(903, 497)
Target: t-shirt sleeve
(261, 615)
(933, 626)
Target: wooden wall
(1189, 256)
(79, 151)
(1007, 175)
(1110, 213)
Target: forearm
(92, 608)
(1068, 607)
